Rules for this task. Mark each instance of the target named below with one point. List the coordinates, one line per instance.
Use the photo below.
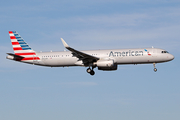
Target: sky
(133, 92)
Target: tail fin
(18, 43)
(21, 48)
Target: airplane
(106, 60)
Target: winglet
(64, 43)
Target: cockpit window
(165, 52)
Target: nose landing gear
(155, 69)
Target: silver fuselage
(119, 56)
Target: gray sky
(130, 93)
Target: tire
(89, 70)
(92, 72)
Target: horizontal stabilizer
(17, 56)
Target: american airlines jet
(106, 60)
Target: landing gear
(155, 69)
(90, 71)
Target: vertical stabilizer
(21, 48)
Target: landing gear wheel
(155, 70)
(92, 72)
(88, 70)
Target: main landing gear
(155, 69)
(90, 71)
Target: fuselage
(120, 56)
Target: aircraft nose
(171, 57)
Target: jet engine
(106, 65)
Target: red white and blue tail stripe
(21, 48)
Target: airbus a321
(106, 60)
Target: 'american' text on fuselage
(127, 53)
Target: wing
(86, 58)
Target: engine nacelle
(106, 65)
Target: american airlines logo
(147, 52)
(126, 53)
